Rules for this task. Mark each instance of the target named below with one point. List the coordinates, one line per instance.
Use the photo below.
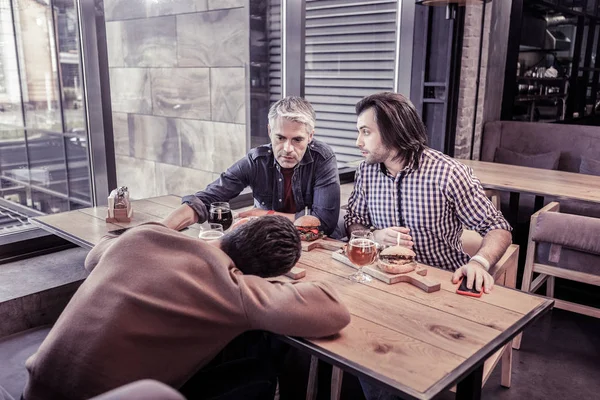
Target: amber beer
(362, 251)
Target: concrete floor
(559, 359)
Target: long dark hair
(266, 246)
(399, 123)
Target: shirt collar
(407, 168)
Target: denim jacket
(315, 184)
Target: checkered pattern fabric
(434, 200)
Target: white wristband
(482, 261)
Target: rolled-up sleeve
(326, 195)
(358, 211)
(474, 210)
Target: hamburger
(308, 226)
(241, 221)
(397, 260)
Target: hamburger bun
(397, 260)
(308, 221)
(241, 221)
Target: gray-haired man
(294, 171)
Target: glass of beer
(211, 231)
(220, 213)
(361, 251)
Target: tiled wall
(178, 89)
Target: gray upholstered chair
(562, 246)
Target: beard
(288, 162)
(377, 157)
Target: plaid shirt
(434, 201)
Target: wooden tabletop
(542, 182)
(417, 344)
(85, 227)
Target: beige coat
(160, 305)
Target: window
(44, 163)
(350, 53)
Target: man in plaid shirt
(408, 189)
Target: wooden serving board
(415, 278)
(296, 273)
(323, 243)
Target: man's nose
(287, 146)
(359, 142)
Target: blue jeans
(375, 392)
(246, 369)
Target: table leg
(313, 374)
(513, 206)
(470, 387)
(539, 203)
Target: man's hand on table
(254, 212)
(258, 212)
(474, 273)
(389, 236)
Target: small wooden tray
(323, 243)
(296, 273)
(415, 278)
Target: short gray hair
(294, 109)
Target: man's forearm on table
(181, 217)
(494, 245)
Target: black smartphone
(118, 231)
(465, 291)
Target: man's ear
(310, 136)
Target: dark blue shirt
(315, 184)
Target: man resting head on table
(161, 305)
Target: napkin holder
(119, 206)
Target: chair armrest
(507, 264)
(550, 207)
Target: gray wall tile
(150, 42)
(154, 138)
(213, 39)
(137, 175)
(181, 181)
(121, 134)
(128, 9)
(114, 44)
(221, 4)
(228, 94)
(211, 146)
(181, 92)
(130, 90)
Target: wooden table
(540, 182)
(86, 226)
(418, 344)
(414, 343)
